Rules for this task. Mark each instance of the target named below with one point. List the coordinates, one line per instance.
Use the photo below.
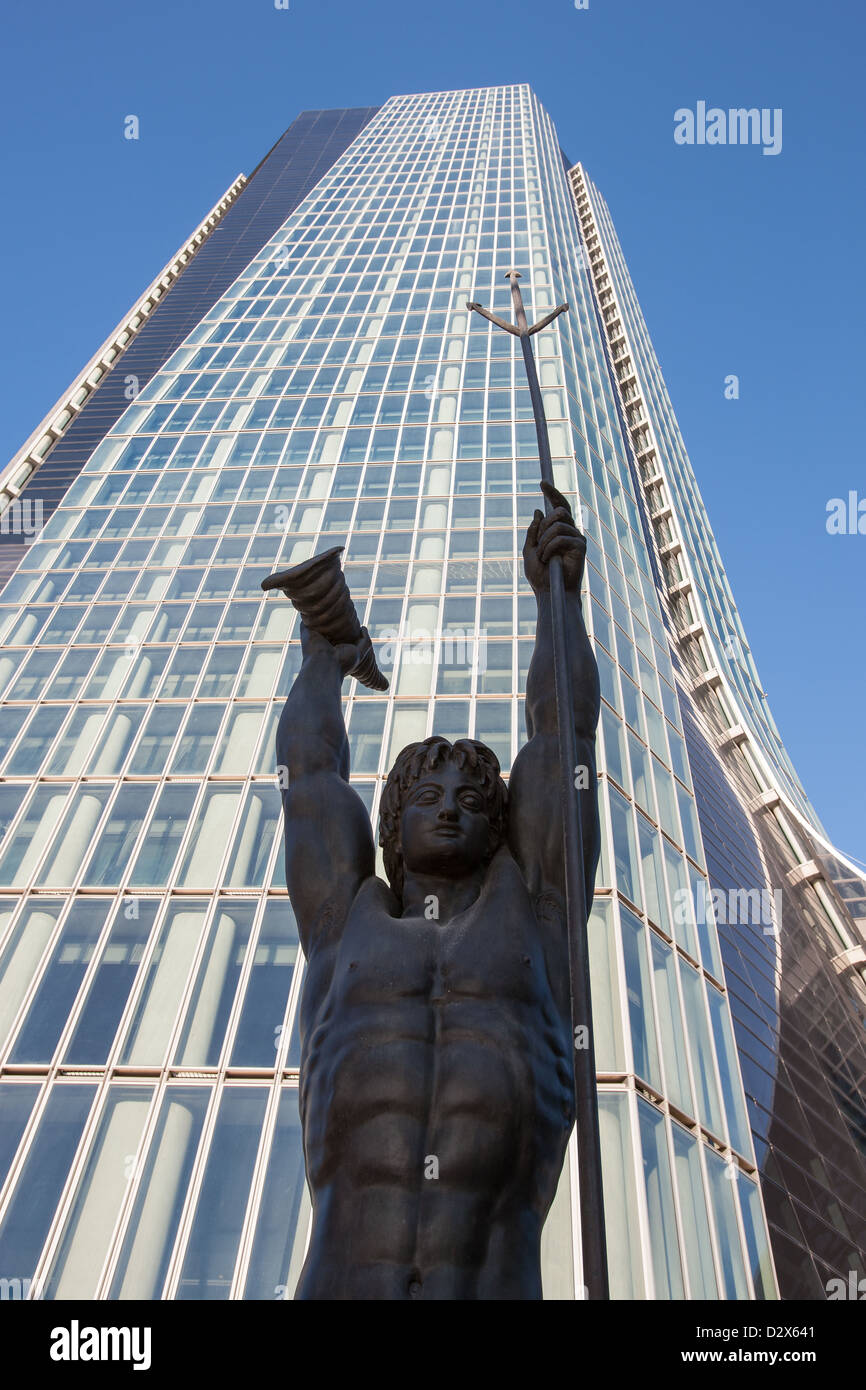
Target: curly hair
(410, 766)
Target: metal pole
(594, 1248)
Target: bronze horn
(319, 591)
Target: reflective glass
(29, 1215)
(60, 982)
(640, 1006)
(22, 954)
(693, 1209)
(150, 1235)
(667, 1270)
(722, 1200)
(280, 1238)
(156, 1011)
(98, 1199)
(110, 986)
(625, 1262)
(213, 1242)
(262, 1017)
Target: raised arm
(328, 836)
(535, 816)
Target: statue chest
(490, 955)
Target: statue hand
(347, 654)
(554, 534)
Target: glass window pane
(21, 956)
(693, 1206)
(557, 1243)
(11, 798)
(147, 672)
(493, 727)
(691, 828)
(667, 801)
(264, 1007)
(75, 836)
(197, 740)
(653, 874)
(60, 982)
(640, 1006)
(73, 749)
(705, 917)
(640, 769)
(365, 734)
(606, 1016)
(281, 1227)
(40, 1184)
(38, 737)
(152, 752)
(152, 1228)
(213, 1242)
(156, 1011)
(72, 673)
(207, 1013)
(166, 830)
(266, 760)
(16, 1105)
(238, 744)
(667, 1270)
(681, 900)
(709, 1109)
(259, 825)
(33, 676)
(729, 1071)
(211, 835)
(760, 1260)
(614, 746)
(110, 987)
(87, 1236)
(119, 735)
(222, 669)
(671, 1025)
(727, 1233)
(9, 661)
(624, 846)
(261, 670)
(107, 681)
(625, 1260)
(118, 836)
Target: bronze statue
(436, 1036)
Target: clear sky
(745, 263)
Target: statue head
(443, 810)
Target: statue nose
(448, 811)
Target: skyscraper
(304, 374)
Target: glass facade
(336, 391)
(793, 956)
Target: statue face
(444, 827)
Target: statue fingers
(554, 496)
(559, 537)
(533, 529)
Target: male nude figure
(436, 1066)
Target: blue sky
(745, 264)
